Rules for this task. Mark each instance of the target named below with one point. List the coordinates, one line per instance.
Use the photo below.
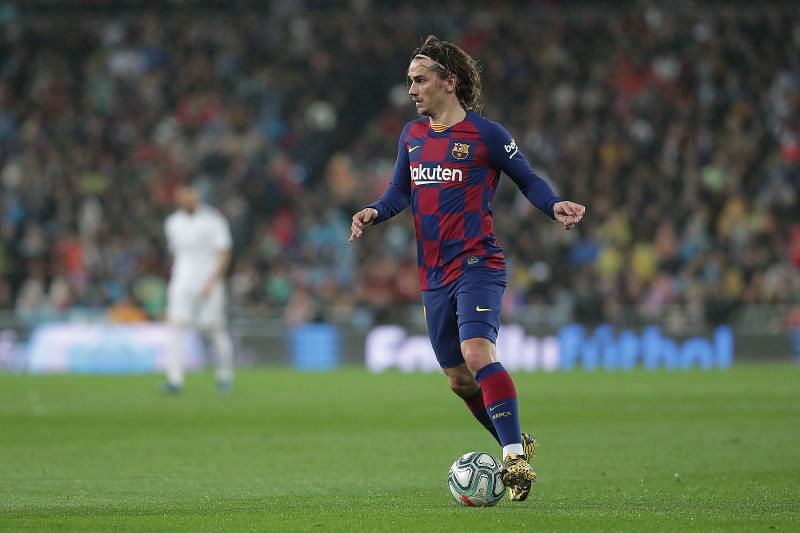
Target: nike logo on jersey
(480, 309)
(412, 148)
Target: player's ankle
(515, 448)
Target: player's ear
(451, 83)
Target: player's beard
(425, 111)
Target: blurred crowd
(679, 128)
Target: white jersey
(196, 239)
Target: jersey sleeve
(397, 196)
(505, 155)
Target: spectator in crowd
(680, 123)
(126, 310)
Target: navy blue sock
(475, 404)
(500, 398)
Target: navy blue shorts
(465, 309)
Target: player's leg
(211, 317)
(174, 361)
(463, 383)
(479, 301)
(179, 310)
(223, 347)
(499, 393)
(500, 398)
(443, 332)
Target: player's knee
(478, 353)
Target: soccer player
(448, 165)
(200, 239)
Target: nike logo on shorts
(480, 309)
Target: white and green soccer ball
(475, 480)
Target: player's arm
(505, 155)
(223, 260)
(222, 243)
(168, 231)
(396, 197)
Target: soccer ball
(475, 480)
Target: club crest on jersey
(460, 151)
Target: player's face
(186, 198)
(426, 88)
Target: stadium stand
(678, 128)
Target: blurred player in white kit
(199, 238)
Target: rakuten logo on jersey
(428, 175)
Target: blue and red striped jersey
(450, 179)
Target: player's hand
(361, 220)
(205, 292)
(568, 213)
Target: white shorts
(185, 306)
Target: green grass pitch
(350, 451)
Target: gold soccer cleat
(528, 446)
(518, 476)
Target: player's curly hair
(451, 59)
